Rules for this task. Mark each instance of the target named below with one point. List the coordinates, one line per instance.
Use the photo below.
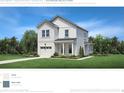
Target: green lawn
(111, 61)
(9, 56)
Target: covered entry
(65, 46)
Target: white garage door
(46, 51)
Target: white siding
(46, 27)
(80, 40)
(60, 23)
(72, 32)
(65, 26)
(85, 35)
(46, 41)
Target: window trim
(66, 33)
(45, 35)
(43, 31)
(48, 33)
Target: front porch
(65, 47)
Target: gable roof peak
(47, 21)
(56, 18)
(51, 23)
(68, 22)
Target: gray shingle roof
(69, 22)
(47, 21)
(51, 23)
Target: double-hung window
(85, 35)
(66, 33)
(45, 33)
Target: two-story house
(63, 37)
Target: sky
(107, 21)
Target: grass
(10, 56)
(111, 61)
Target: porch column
(63, 48)
(72, 48)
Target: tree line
(105, 45)
(27, 45)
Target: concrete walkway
(25, 59)
(74, 59)
(18, 60)
(85, 58)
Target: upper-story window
(85, 35)
(66, 33)
(45, 33)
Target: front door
(61, 49)
(70, 49)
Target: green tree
(98, 44)
(105, 45)
(91, 39)
(5, 46)
(8, 45)
(14, 44)
(29, 42)
(0, 46)
(114, 45)
(121, 49)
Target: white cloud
(16, 31)
(10, 25)
(10, 19)
(102, 27)
(20, 30)
(91, 23)
(109, 31)
(45, 12)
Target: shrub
(115, 51)
(35, 54)
(55, 54)
(73, 57)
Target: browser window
(61, 46)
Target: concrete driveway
(18, 60)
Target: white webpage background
(62, 3)
(66, 81)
